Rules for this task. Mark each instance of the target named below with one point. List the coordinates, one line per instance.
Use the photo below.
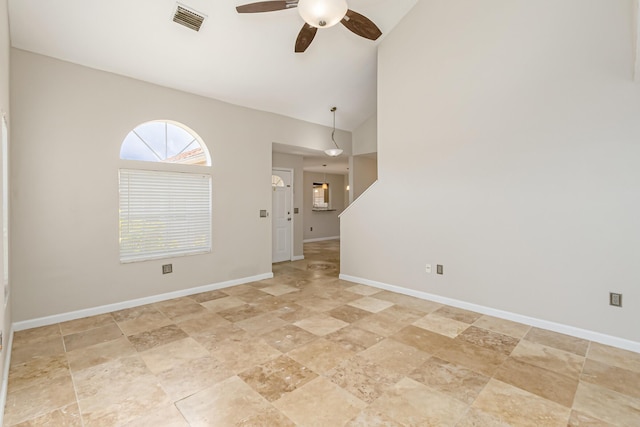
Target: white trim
(5, 374)
(532, 321)
(321, 239)
(72, 315)
(297, 257)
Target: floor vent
(188, 18)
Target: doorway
(282, 218)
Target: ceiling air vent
(188, 18)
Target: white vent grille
(188, 18)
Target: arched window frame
(154, 222)
(138, 137)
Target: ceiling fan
(318, 14)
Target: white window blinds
(163, 214)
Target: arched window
(276, 181)
(164, 141)
(164, 211)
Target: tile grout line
(469, 413)
(73, 382)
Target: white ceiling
(244, 59)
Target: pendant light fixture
(324, 182)
(333, 152)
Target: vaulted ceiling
(244, 59)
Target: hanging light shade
(322, 13)
(333, 152)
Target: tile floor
(305, 348)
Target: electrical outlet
(167, 268)
(428, 268)
(439, 269)
(615, 299)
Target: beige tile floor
(305, 348)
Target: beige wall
(296, 163)
(68, 122)
(364, 172)
(363, 165)
(365, 137)
(513, 161)
(4, 108)
(324, 224)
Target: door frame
(291, 204)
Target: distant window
(164, 212)
(163, 141)
(276, 181)
(321, 196)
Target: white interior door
(282, 218)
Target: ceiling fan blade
(361, 25)
(266, 6)
(305, 37)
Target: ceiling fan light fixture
(322, 13)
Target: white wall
(67, 126)
(289, 161)
(324, 224)
(514, 161)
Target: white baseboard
(321, 239)
(5, 374)
(297, 257)
(531, 321)
(63, 317)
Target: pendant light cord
(334, 128)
